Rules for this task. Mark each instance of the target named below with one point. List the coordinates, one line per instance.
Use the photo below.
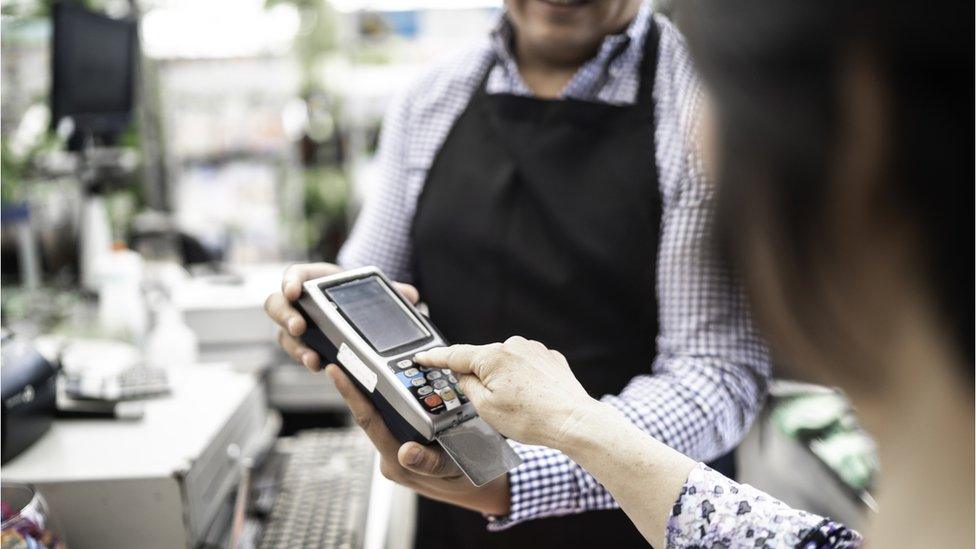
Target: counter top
(174, 430)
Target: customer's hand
(524, 390)
(291, 324)
(426, 469)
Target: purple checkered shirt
(709, 377)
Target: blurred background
(163, 161)
(249, 125)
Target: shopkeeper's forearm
(644, 475)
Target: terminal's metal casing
(337, 329)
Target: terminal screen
(376, 313)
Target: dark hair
(773, 67)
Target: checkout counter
(205, 465)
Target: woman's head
(843, 156)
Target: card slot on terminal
(468, 443)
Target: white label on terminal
(357, 367)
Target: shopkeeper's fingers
(298, 351)
(296, 275)
(412, 458)
(427, 461)
(281, 311)
(408, 292)
(364, 413)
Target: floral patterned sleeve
(713, 511)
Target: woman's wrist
(592, 425)
(644, 475)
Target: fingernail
(414, 456)
(422, 355)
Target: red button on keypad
(433, 400)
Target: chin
(565, 28)
(558, 42)
(558, 38)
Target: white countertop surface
(174, 430)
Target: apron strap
(648, 66)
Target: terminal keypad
(436, 389)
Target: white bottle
(121, 308)
(171, 344)
(95, 241)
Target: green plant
(11, 175)
(18, 166)
(326, 204)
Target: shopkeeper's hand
(523, 389)
(291, 324)
(426, 469)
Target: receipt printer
(358, 320)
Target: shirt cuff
(548, 484)
(711, 510)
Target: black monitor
(94, 61)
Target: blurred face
(861, 270)
(567, 31)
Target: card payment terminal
(359, 321)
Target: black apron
(541, 218)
